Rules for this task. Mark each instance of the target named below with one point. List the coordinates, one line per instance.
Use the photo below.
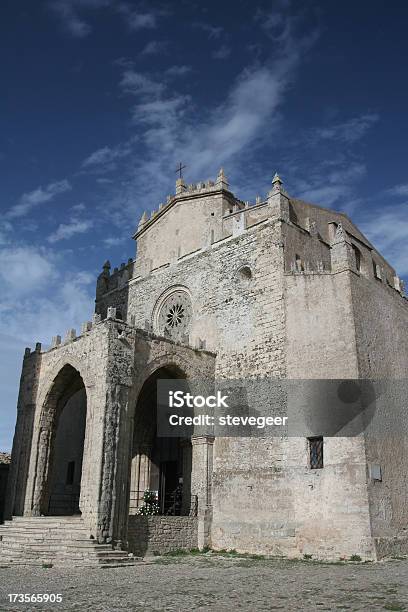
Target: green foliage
(150, 506)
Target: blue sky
(101, 99)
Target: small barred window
(316, 453)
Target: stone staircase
(56, 540)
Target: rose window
(174, 315)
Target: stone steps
(56, 540)
(56, 532)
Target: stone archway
(61, 446)
(159, 464)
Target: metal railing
(173, 503)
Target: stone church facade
(221, 289)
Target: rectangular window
(316, 453)
(70, 473)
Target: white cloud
(387, 229)
(37, 301)
(70, 14)
(222, 53)
(177, 71)
(164, 112)
(325, 195)
(78, 207)
(138, 20)
(5, 230)
(210, 30)
(67, 230)
(41, 315)
(171, 127)
(38, 196)
(327, 186)
(344, 176)
(25, 269)
(82, 278)
(73, 24)
(399, 190)
(349, 131)
(114, 241)
(154, 47)
(137, 83)
(106, 157)
(247, 115)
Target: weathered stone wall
(111, 360)
(231, 313)
(246, 322)
(321, 339)
(116, 298)
(381, 322)
(88, 355)
(312, 251)
(150, 535)
(263, 318)
(242, 319)
(332, 513)
(173, 235)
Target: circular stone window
(174, 316)
(244, 275)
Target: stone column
(117, 438)
(201, 474)
(114, 502)
(41, 477)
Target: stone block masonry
(222, 289)
(150, 535)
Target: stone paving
(214, 583)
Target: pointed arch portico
(67, 392)
(108, 364)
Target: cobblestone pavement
(214, 583)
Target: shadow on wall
(139, 535)
(4, 470)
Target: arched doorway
(64, 420)
(159, 464)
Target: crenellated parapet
(344, 253)
(203, 216)
(117, 279)
(184, 191)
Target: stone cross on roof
(179, 170)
